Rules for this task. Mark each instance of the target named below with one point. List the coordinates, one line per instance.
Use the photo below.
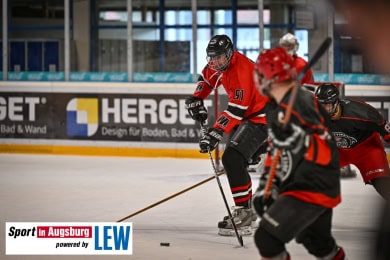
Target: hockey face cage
(328, 93)
(219, 52)
(220, 62)
(290, 43)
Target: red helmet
(273, 66)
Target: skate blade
(246, 231)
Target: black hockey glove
(291, 137)
(210, 140)
(259, 202)
(196, 109)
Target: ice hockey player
(306, 186)
(290, 42)
(243, 119)
(358, 128)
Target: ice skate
(256, 165)
(245, 220)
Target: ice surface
(47, 188)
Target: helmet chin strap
(266, 88)
(336, 111)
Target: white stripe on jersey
(233, 115)
(238, 106)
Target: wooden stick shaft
(170, 197)
(317, 55)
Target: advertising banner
(99, 116)
(73, 238)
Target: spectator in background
(370, 20)
(290, 43)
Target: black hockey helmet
(219, 45)
(327, 93)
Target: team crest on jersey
(285, 165)
(281, 117)
(343, 140)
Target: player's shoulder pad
(360, 110)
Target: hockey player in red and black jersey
(244, 120)
(306, 186)
(290, 43)
(358, 128)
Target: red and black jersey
(357, 122)
(299, 64)
(311, 174)
(244, 100)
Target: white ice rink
(46, 188)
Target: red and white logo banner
(68, 238)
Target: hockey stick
(170, 197)
(239, 237)
(317, 55)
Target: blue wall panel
(17, 56)
(1, 60)
(51, 55)
(34, 57)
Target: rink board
(115, 119)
